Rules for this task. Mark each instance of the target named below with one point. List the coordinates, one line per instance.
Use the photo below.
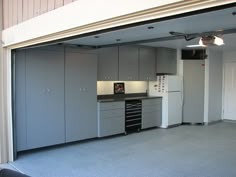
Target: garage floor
(200, 151)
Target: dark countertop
(126, 98)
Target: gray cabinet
(151, 113)
(111, 118)
(147, 62)
(108, 64)
(128, 63)
(56, 96)
(166, 60)
(39, 98)
(80, 95)
(194, 88)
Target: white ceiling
(211, 21)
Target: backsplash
(106, 87)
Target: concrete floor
(196, 151)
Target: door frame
(6, 139)
(223, 88)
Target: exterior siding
(51, 5)
(17, 11)
(5, 13)
(25, 14)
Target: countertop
(127, 98)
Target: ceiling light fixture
(211, 40)
(150, 27)
(208, 41)
(195, 46)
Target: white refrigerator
(169, 87)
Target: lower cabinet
(151, 113)
(111, 118)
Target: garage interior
(205, 149)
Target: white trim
(223, 91)
(8, 102)
(3, 117)
(6, 126)
(3, 148)
(206, 89)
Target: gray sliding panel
(194, 74)
(45, 97)
(20, 102)
(80, 95)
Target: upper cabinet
(166, 61)
(108, 64)
(147, 62)
(135, 63)
(128, 63)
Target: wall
(212, 84)
(229, 56)
(17, 11)
(215, 86)
(106, 87)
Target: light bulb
(218, 41)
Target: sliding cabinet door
(44, 97)
(80, 95)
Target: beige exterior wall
(17, 11)
(84, 17)
(102, 14)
